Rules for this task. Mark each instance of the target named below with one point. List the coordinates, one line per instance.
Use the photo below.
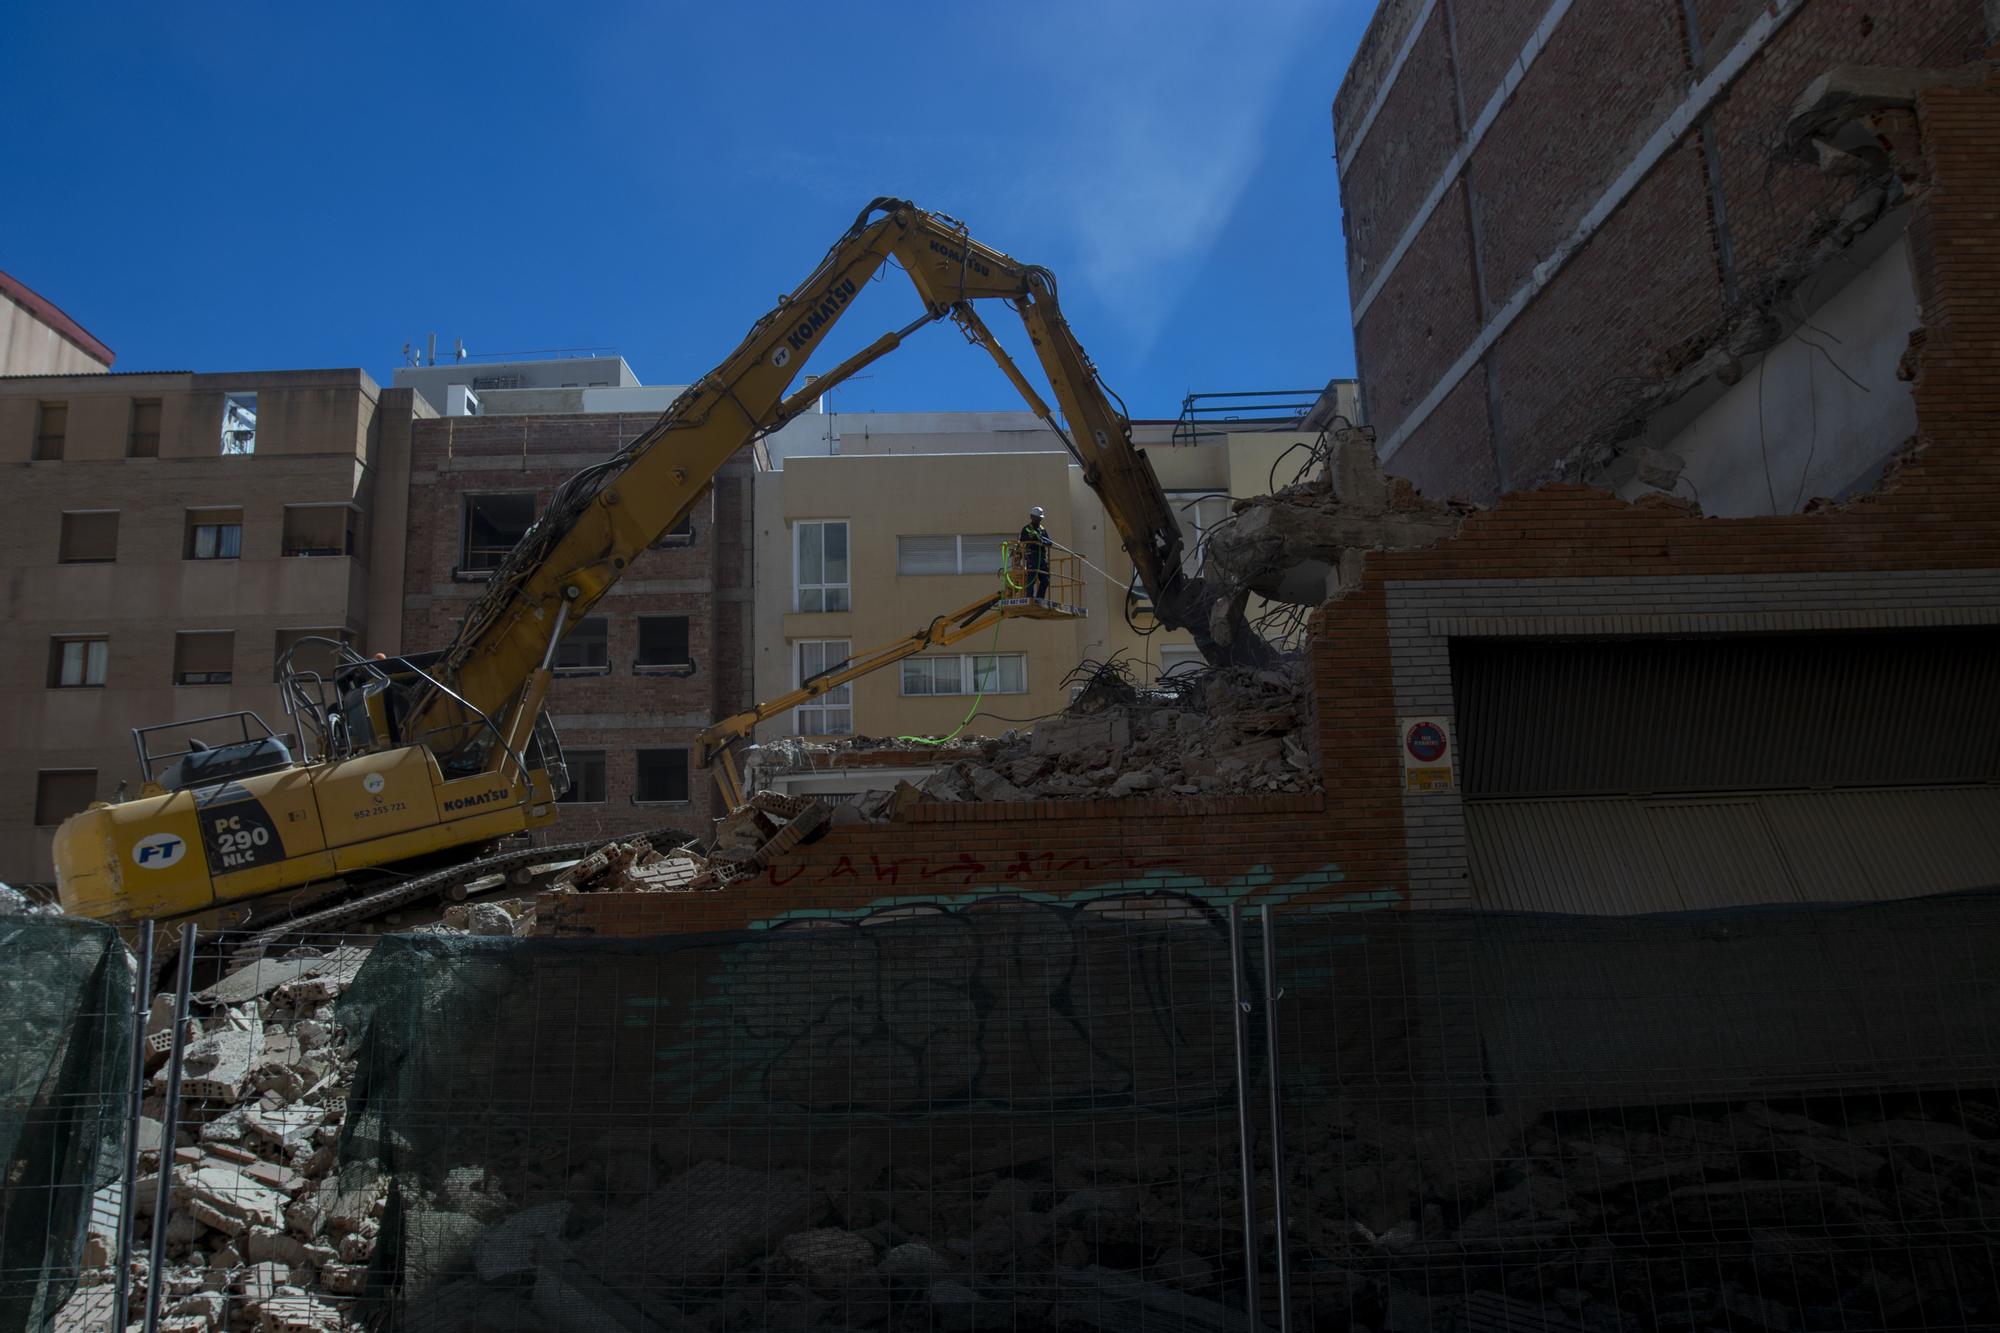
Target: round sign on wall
(1425, 742)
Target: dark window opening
(62, 792)
(586, 778)
(204, 657)
(663, 643)
(662, 776)
(494, 524)
(319, 530)
(51, 431)
(89, 537)
(587, 646)
(144, 439)
(681, 534)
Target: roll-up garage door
(1663, 774)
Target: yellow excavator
(394, 768)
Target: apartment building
(904, 522)
(661, 657)
(172, 536)
(38, 338)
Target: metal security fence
(1767, 1119)
(1010, 1116)
(1140, 1113)
(66, 1002)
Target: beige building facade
(863, 546)
(38, 338)
(172, 535)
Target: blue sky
(223, 187)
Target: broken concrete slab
(217, 1065)
(225, 1198)
(697, 1224)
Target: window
(663, 642)
(965, 554)
(318, 658)
(586, 647)
(78, 663)
(89, 536)
(966, 673)
(51, 429)
(493, 525)
(662, 776)
(1179, 658)
(62, 792)
(214, 534)
(239, 423)
(1199, 512)
(319, 529)
(204, 657)
(832, 713)
(586, 778)
(143, 440)
(820, 563)
(680, 534)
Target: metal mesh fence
(1774, 1118)
(1014, 1116)
(1022, 1116)
(66, 999)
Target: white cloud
(1170, 107)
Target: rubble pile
(1675, 1217)
(1682, 1218)
(1234, 729)
(260, 1235)
(1306, 543)
(766, 826)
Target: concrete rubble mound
(748, 838)
(261, 1234)
(1305, 543)
(1227, 730)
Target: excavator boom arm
(605, 516)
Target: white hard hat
(1034, 511)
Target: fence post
(170, 1119)
(128, 1204)
(1252, 1304)
(1272, 994)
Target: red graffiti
(887, 871)
(966, 865)
(963, 868)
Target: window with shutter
(89, 536)
(204, 657)
(62, 792)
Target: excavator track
(367, 906)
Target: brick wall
(1935, 520)
(1710, 222)
(621, 711)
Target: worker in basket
(1035, 542)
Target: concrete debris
(764, 828)
(1305, 543)
(253, 1240)
(1231, 730)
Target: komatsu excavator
(395, 767)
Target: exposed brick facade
(621, 710)
(1723, 209)
(1937, 519)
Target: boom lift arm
(602, 518)
(715, 747)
